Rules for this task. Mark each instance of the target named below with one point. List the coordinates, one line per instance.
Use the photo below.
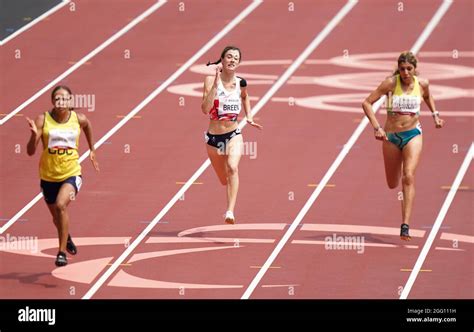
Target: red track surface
(55, 44)
(295, 149)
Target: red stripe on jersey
(214, 113)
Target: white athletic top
(227, 104)
(406, 103)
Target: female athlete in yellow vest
(59, 169)
(224, 96)
(401, 135)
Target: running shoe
(404, 232)
(70, 246)
(229, 217)
(61, 259)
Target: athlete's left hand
(252, 123)
(438, 122)
(32, 125)
(94, 160)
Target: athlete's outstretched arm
(210, 90)
(428, 98)
(381, 90)
(247, 109)
(87, 127)
(36, 128)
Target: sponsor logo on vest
(407, 103)
(61, 151)
(64, 138)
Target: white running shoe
(229, 217)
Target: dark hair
(60, 87)
(406, 56)
(226, 49)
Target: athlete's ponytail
(226, 49)
(209, 63)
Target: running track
(190, 253)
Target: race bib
(62, 138)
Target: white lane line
(206, 163)
(194, 177)
(332, 169)
(437, 224)
(20, 213)
(146, 101)
(89, 56)
(34, 22)
(431, 25)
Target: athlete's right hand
(94, 161)
(380, 134)
(32, 125)
(218, 75)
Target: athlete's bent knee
(60, 207)
(408, 178)
(232, 170)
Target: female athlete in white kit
(223, 97)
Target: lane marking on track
(278, 84)
(449, 249)
(4, 114)
(88, 271)
(74, 62)
(6, 219)
(84, 60)
(34, 22)
(329, 185)
(140, 106)
(201, 169)
(457, 237)
(337, 162)
(460, 187)
(124, 264)
(133, 117)
(437, 224)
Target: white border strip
(35, 21)
(437, 224)
(332, 169)
(89, 56)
